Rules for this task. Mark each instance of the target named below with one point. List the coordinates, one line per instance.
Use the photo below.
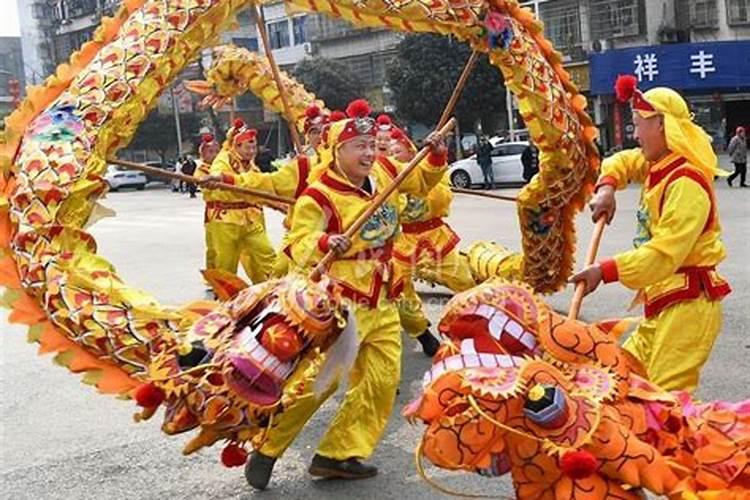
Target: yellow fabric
(363, 415)
(625, 167)
(228, 244)
(309, 222)
(228, 163)
(437, 203)
(674, 345)
(282, 182)
(672, 237)
(684, 137)
(451, 271)
(202, 169)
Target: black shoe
(430, 344)
(729, 182)
(258, 470)
(351, 468)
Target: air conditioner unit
(307, 46)
(602, 45)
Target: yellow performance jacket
(331, 204)
(288, 181)
(678, 245)
(423, 231)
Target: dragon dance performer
(235, 225)
(207, 152)
(383, 135)
(678, 244)
(428, 242)
(363, 274)
(315, 122)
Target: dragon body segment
(223, 367)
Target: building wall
(11, 68)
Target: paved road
(62, 440)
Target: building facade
(11, 70)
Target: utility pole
(176, 111)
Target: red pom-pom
(312, 112)
(239, 123)
(337, 116)
(578, 464)
(233, 456)
(207, 138)
(359, 108)
(148, 396)
(397, 134)
(625, 87)
(384, 120)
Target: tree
(158, 132)
(331, 81)
(425, 72)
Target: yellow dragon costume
(225, 368)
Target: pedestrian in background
(484, 158)
(738, 153)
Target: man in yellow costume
(426, 242)
(363, 274)
(678, 244)
(207, 152)
(235, 224)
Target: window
(698, 14)
(738, 11)
(616, 18)
(278, 34)
(562, 22)
(248, 43)
(508, 150)
(298, 29)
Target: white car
(506, 165)
(120, 177)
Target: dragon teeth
(467, 346)
(497, 325)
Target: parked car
(120, 177)
(506, 165)
(168, 166)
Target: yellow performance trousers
(674, 345)
(229, 244)
(452, 271)
(363, 414)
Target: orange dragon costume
(678, 244)
(520, 389)
(426, 245)
(364, 275)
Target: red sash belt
(422, 226)
(698, 282)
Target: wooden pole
(482, 194)
(448, 111)
(596, 238)
(261, 23)
(189, 178)
(378, 201)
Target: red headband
(359, 122)
(314, 117)
(384, 123)
(399, 135)
(241, 133)
(206, 139)
(626, 89)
